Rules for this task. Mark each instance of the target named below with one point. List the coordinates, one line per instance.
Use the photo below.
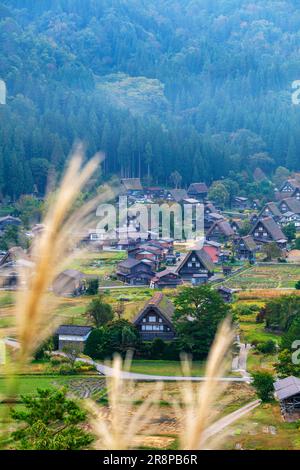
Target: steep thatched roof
(161, 304)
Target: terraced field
(266, 277)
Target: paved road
(239, 363)
(108, 371)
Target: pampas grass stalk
(196, 410)
(50, 253)
(119, 427)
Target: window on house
(190, 265)
(152, 319)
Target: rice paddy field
(276, 276)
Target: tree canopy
(198, 313)
(199, 88)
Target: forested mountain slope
(201, 86)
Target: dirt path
(231, 418)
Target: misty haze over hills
(203, 87)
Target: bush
(92, 287)
(42, 351)
(172, 351)
(95, 344)
(157, 348)
(66, 369)
(243, 310)
(297, 285)
(267, 347)
(81, 366)
(263, 383)
(58, 360)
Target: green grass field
(160, 367)
(263, 429)
(28, 384)
(255, 332)
(102, 263)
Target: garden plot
(86, 387)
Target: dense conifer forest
(201, 87)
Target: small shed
(72, 337)
(226, 293)
(288, 393)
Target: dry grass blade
(197, 410)
(119, 426)
(49, 254)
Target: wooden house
(255, 204)
(253, 218)
(226, 293)
(213, 250)
(166, 244)
(147, 255)
(177, 195)
(209, 208)
(155, 319)
(166, 278)
(132, 187)
(198, 191)
(296, 193)
(155, 192)
(11, 263)
(245, 248)
(197, 267)
(227, 270)
(135, 272)
(289, 186)
(266, 231)
(241, 203)
(221, 231)
(290, 217)
(289, 204)
(270, 210)
(72, 337)
(237, 225)
(69, 283)
(157, 251)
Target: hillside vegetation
(201, 87)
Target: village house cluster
(161, 262)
